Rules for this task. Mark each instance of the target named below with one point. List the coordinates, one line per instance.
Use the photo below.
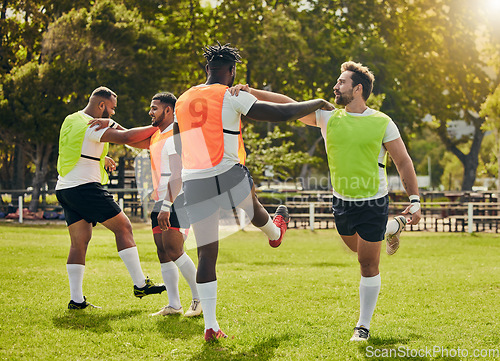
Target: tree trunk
(41, 160)
(470, 161)
(470, 169)
(19, 179)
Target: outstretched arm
(274, 112)
(129, 136)
(100, 123)
(263, 95)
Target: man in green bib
(81, 167)
(357, 140)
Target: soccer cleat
(281, 219)
(168, 311)
(149, 289)
(360, 334)
(194, 308)
(72, 305)
(392, 240)
(211, 335)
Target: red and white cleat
(211, 335)
(281, 219)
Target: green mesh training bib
(353, 145)
(70, 145)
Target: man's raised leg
(122, 228)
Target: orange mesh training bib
(242, 154)
(155, 148)
(199, 115)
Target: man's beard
(105, 114)
(344, 98)
(158, 120)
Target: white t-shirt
(391, 133)
(167, 150)
(232, 108)
(85, 170)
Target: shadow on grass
(90, 320)
(330, 264)
(293, 264)
(390, 341)
(179, 327)
(270, 263)
(221, 350)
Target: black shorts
(89, 201)
(366, 218)
(178, 216)
(227, 190)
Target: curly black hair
(221, 54)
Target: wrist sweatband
(113, 124)
(166, 206)
(415, 203)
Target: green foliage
(488, 158)
(257, 288)
(428, 145)
(429, 58)
(491, 110)
(452, 175)
(273, 150)
(108, 45)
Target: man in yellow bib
(81, 163)
(214, 176)
(357, 140)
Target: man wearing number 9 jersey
(214, 176)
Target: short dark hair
(166, 98)
(221, 55)
(361, 75)
(103, 92)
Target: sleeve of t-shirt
(243, 102)
(170, 146)
(391, 132)
(322, 117)
(95, 135)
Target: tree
(445, 74)
(427, 61)
(107, 44)
(273, 150)
(491, 111)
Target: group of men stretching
(197, 162)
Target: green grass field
(439, 299)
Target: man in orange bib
(214, 176)
(166, 165)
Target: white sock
(188, 270)
(75, 276)
(130, 256)
(392, 227)
(170, 276)
(271, 230)
(208, 298)
(369, 287)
